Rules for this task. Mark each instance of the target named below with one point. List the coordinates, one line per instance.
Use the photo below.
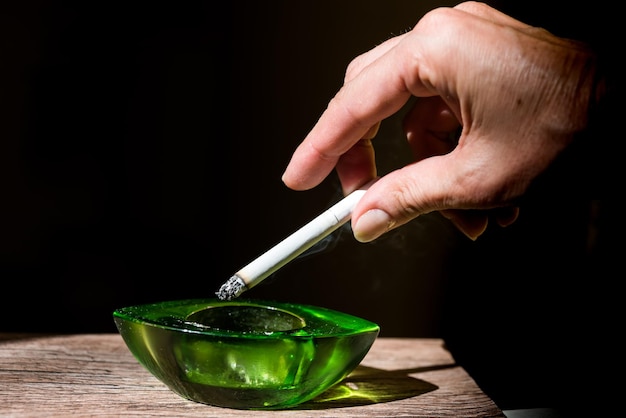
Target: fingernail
(371, 225)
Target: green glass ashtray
(245, 354)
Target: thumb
(403, 195)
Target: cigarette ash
(233, 287)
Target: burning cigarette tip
(233, 287)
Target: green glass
(245, 354)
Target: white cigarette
(292, 246)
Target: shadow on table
(368, 385)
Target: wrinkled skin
(517, 94)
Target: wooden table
(95, 375)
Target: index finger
(378, 91)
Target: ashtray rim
(314, 327)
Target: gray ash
(233, 287)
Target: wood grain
(95, 375)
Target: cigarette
(292, 246)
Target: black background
(143, 146)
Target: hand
(517, 92)
(431, 129)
